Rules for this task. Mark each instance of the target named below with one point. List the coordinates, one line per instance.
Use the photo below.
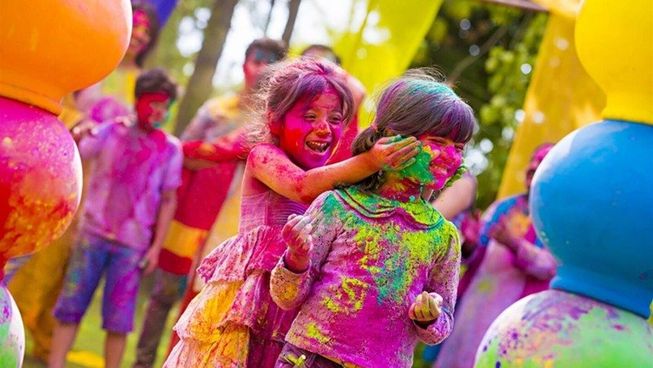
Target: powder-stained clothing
(132, 170)
(203, 196)
(233, 321)
(202, 192)
(91, 258)
(371, 257)
(503, 277)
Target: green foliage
(488, 52)
(166, 53)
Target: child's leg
(168, 288)
(114, 348)
(62, 340)
(119, 300)
(85, 268)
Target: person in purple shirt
(129, 204)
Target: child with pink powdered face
(233, 321)
(373, 266)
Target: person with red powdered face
(130, 202)
(233, 321)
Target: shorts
(92, 256)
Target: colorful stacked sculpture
(47, 49)
(592, 204)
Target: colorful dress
(233, 321)
(371, 257)
(503, 278)
(205, 197)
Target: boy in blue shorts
(130, 202)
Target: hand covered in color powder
(426, 307)
(394, 152)
(297, 235)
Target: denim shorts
(91, 258)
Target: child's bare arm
(165, 216)
(270, 165)
(232, 146)
(441, 296)
(457, 198)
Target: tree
(293, 9)
(166, 54)
(268, 18)
(487, 51)
(200, 85)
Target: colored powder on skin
(420, 169)
(457, 175)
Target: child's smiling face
(436, 163)
(311, 129)
(446, 158)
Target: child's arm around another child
(271, 166)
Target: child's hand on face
(297, 235)
(395, 152)
(426, 308)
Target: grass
(88, 350)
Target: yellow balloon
(614, 40)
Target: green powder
(420, 170)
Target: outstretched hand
(426, 307)
(297, 235)
(395, 152)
